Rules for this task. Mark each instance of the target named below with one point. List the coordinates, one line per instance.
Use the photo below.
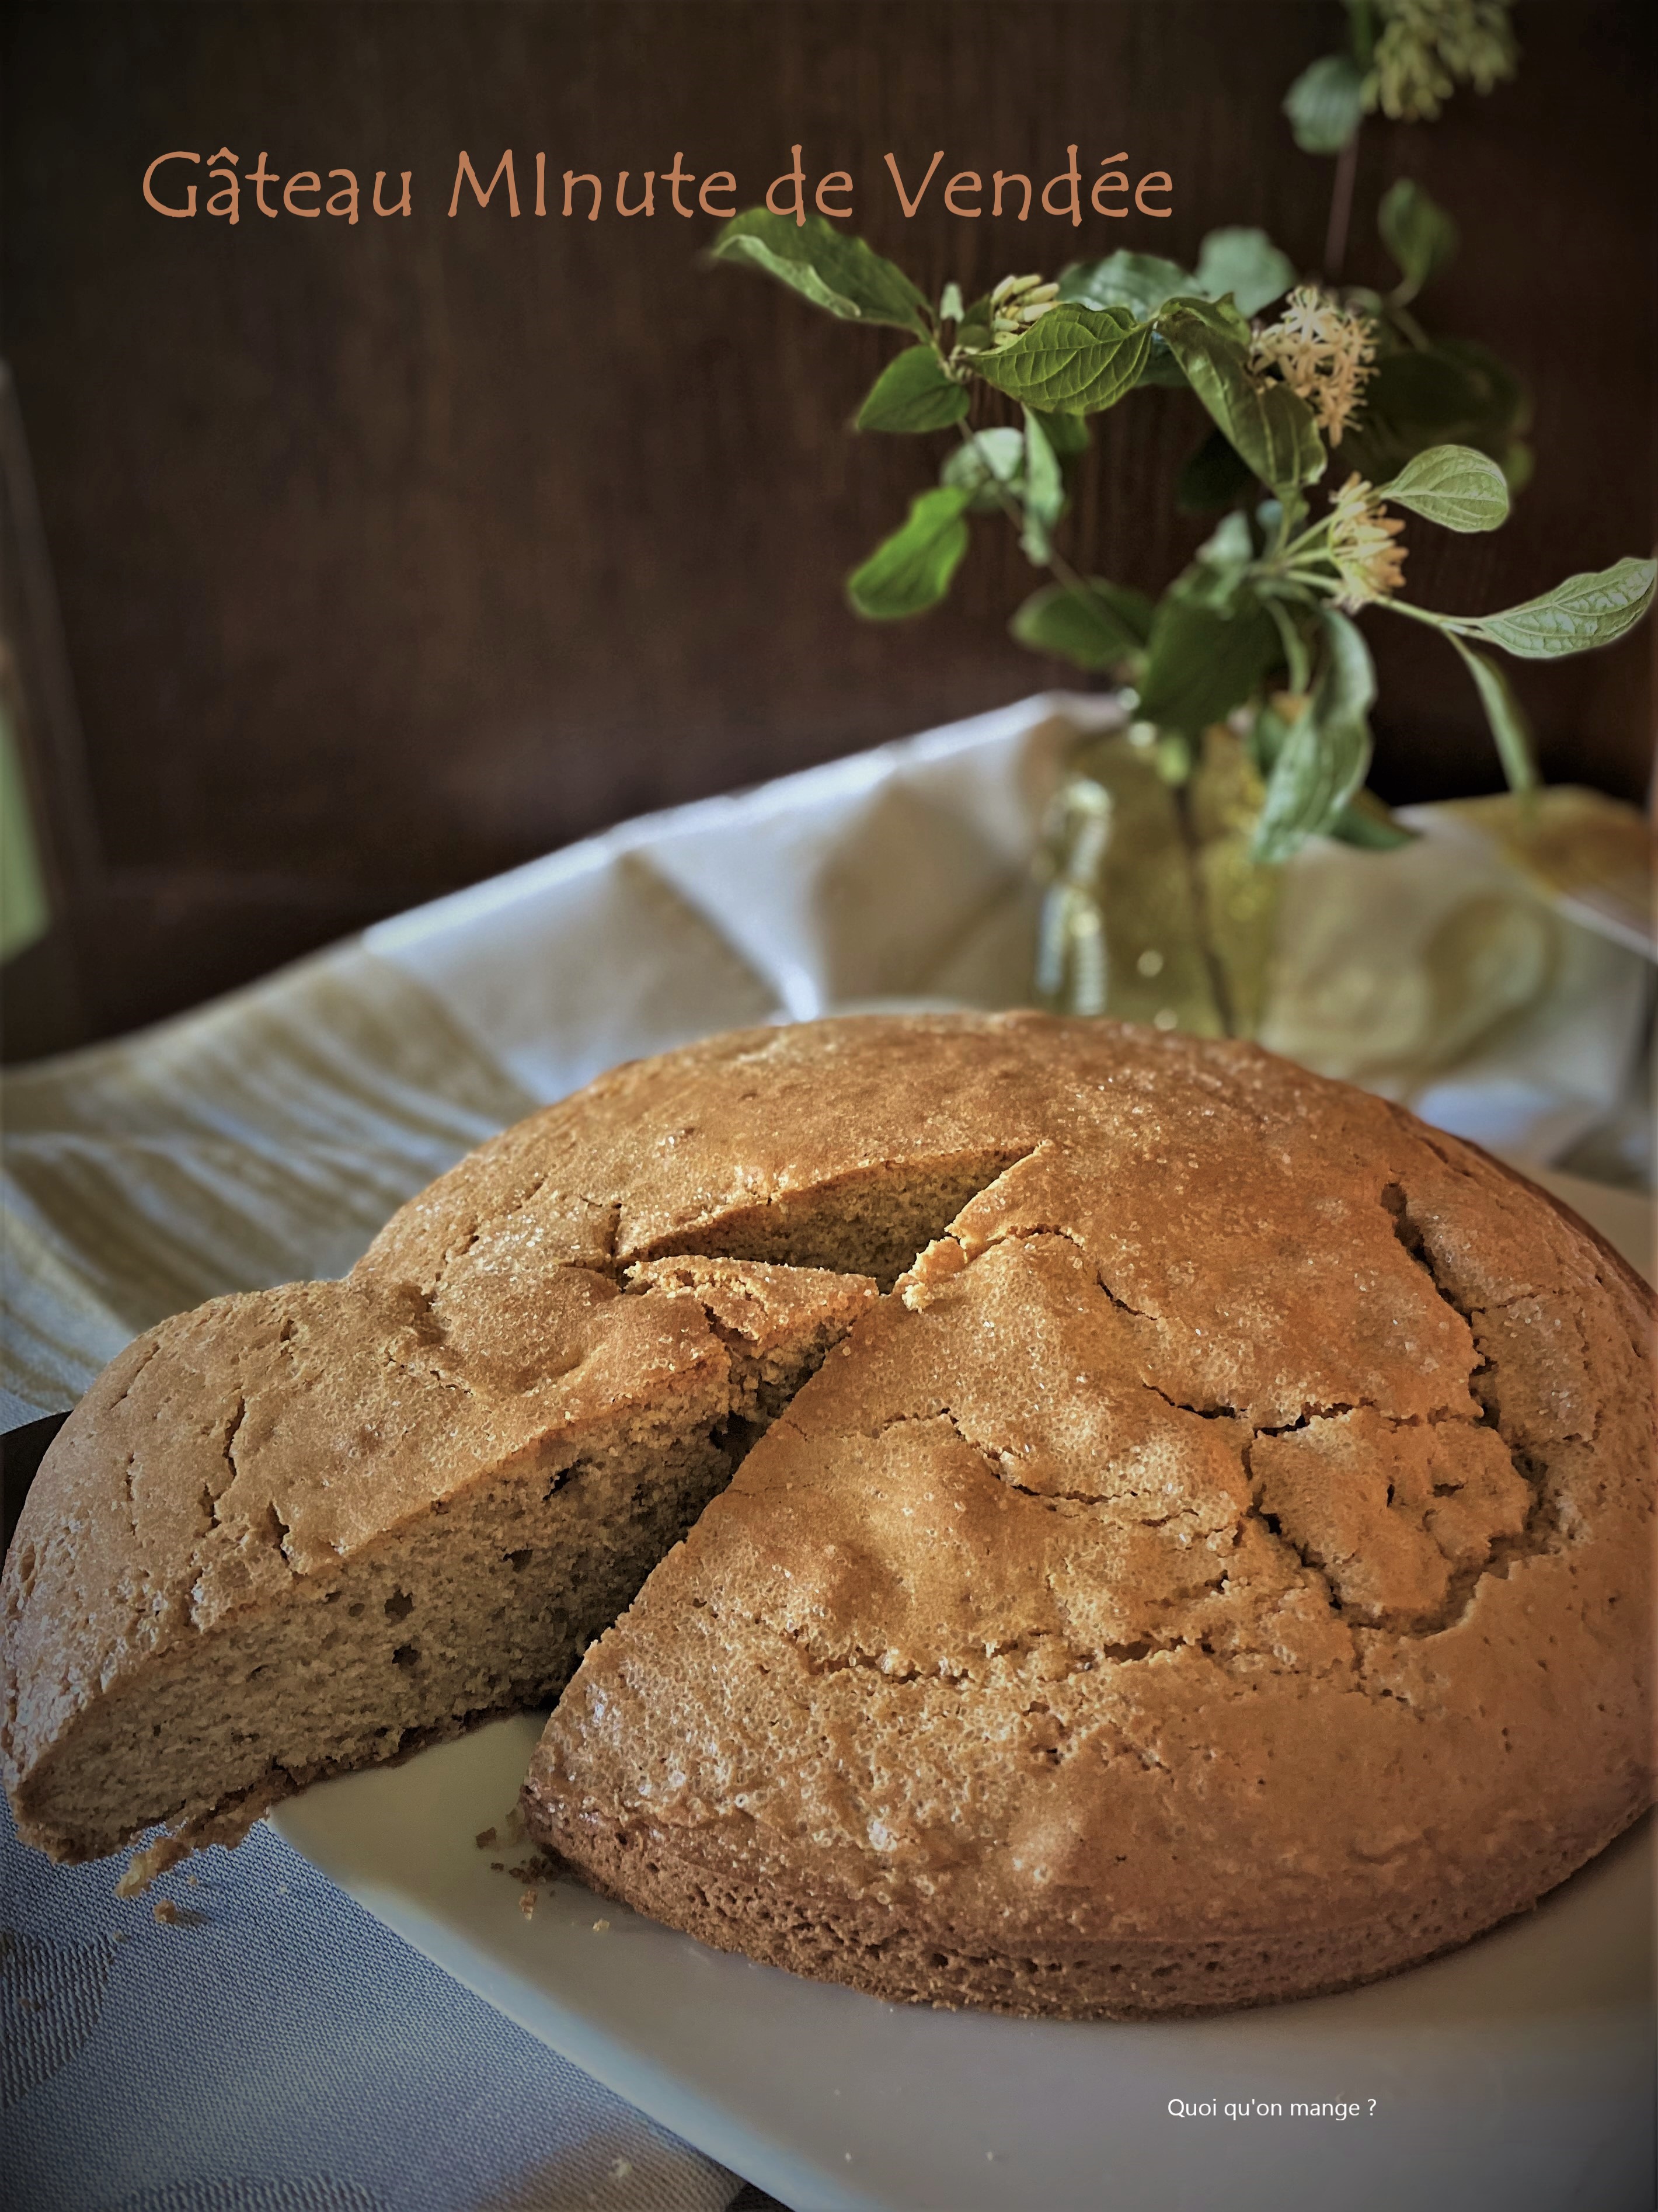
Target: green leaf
(1246, 264)
(1068, 435)
(1221, 317)
(1426, 393)
(1437, 392)
(1094, 628)
(1452, 392)
(1326, 104)
(1243, 263)
(973, 330)
(911, 570)
(914, 393)
(1203, 659)
(1266, 735)
(831, 268)
(1364, 821)
(1345, 691)
(1161, 365)
(1322, 761)
(1230, 548)
(1044, 493)
(1141, 281)
(1273, 430)
(1517, 463)
(1133, 608)
(1577, 616)
(1288, 620)
(1507, 718)
(1417, 232)
(1502, 398)
(1212, 477)
(1075, 361)
(984, 461)
(1453, 486)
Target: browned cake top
(1231, 1424)
(1244, 1509)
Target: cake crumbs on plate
(484, 1839)
(601, 1926)
(540, 1866)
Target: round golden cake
(1220, 1572)
(1161, 1530)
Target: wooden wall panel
(391, 556)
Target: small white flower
(1323, 352)
(1428, 47)
(1362, 545)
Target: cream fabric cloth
(267, 1136)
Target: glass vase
(1154, 910)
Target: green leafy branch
(1260, 625)
(1403, 57)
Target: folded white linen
(266, 1136)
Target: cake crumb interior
(483, 1601)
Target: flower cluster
(1325, 354)
(1016, 303)
(1362, 546)
(1428, 47)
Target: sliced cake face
(292, 1530)
(301, 1528)
(1220, 1573)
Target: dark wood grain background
(391, 556)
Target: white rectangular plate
(1517, 2073)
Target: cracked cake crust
(1219, 1574)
